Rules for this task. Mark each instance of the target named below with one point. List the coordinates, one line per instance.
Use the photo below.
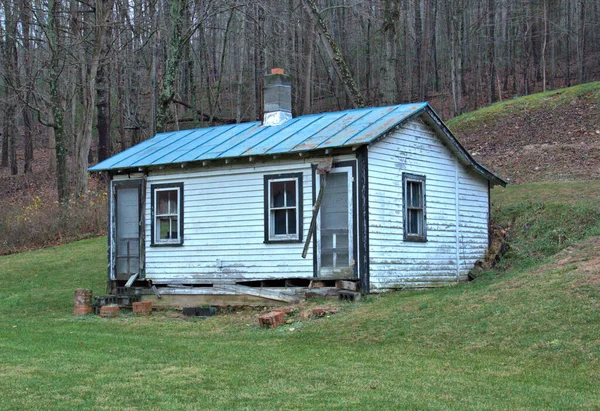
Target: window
(283, 207)
(415, 218)
(167, 214)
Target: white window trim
(270, 235)
(179, 208)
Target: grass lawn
(527, 337)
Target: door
(127, 225)
(335, 234)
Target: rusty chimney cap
(277, 71)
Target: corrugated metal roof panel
(304, 133)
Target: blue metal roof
(300, 134)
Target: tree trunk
(13, 80)
(167, 91)
(390, 19)
(61, 141)
(83, 138)
(309, 44)
(581, 43)
(26, 112)
(103, 102)
(492, 49)
(335, 55)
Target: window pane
(167, 202)
(279, 220)
(414, 222)
(290, 192)
(326, 240)
(173, 202)
(327, 260)
(417, 194)
(277, 194)
(291, 214)
(164, 229)
(342, 260)
(163, 202)
(414, 194)
(174, 228)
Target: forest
(81, 80)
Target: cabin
(384, 197)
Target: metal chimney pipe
(278, 98)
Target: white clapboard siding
(224, 220)
(453, 245)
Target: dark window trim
(267, 219)
(422, 179)
(153, 188)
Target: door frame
(351, 164)
(112, 250)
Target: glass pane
(173, 202)
(163, 202)
(327, 260)
(277, 196)
(326, 240)
(167, 202)
(291, 214)
(342, 260)
(341, 241)
(414, 222)
(122, 266)
(417, 200)
(290, 193)
(164, 225)
(334, 207)
(174, 228)
(134, 265)
(279, 222)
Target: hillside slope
(541, 137)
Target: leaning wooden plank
(259, 292)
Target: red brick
(272, 319)
(109, 311)
(82, 309)
(142, 308)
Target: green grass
(524, 338)
(547, 100)
(544, 218)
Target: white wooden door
(335, 250)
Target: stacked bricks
(82, 302)
(272, 319)
(109, 311)
(142, 308)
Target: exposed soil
(556, 143)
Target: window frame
(270, 236)
(155, 242)
(414, 178)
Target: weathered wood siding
(456, 236)
(224, 220)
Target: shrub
(33, 218)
